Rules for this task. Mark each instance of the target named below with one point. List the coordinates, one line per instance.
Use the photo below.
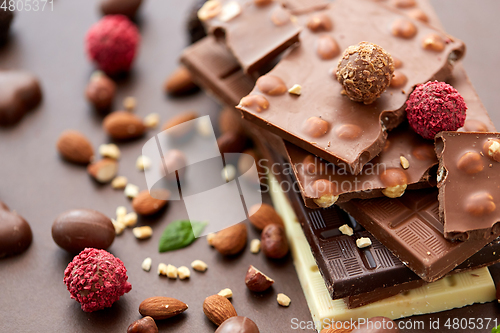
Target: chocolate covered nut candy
(78, 229)
(365, 71)
(312, 67)
(238, 325)
(19, 93)
(468, 181)
(236, 18)
(101, 91)
(15, 232)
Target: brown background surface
(37, 184)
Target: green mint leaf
(179, 234)
(496, 329)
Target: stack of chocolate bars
(384, 210)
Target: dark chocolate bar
(349, 270)
(469, 185)
(270, 25)
(346, 133)
(401, 142)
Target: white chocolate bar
(454, 291)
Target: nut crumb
(227, 293)
(119, 227)
(363, 242)
(295, 90)
(346, 230)
(162, 269)
(255, 246)
(204, 126)
(146, 264)
(143, 163)
(142, 232)
(283, 300)
(171, 271)
(121, 211)
(209, 10)
(151, 120)
(210, 238)
(229, 11)
(130, 220)
(199, 266)
(184, 272)
(119, 182)
(131, 191)
(404, 162)
(110, 150)
(129, 103)
(228, 173)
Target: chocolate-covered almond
(238, 325)
(77, 229)
(15, 232)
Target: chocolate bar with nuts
(469, 185)
(255, 31)
(318, 118)
(406, 156)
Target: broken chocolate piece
(468, 182)
(321, 94)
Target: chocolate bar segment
(469, 183)
(349, 270)
(254, 33)
(402, 146)
(323, 121)
(410, 227)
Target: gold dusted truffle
(365, 71)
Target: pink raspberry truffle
(112, 43)
(434, 107)
(96, 279)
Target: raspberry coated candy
(434, 107)
(96, 279)
(112, 43)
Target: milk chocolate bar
(469, 182)
(349, 270)
(269, 24)
(300, 7)
(453, 291)
(402, 146)
(323, 121)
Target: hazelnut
(263, 215)
(257, 281)
(271, 85)
(209, 10)
(274, 243)
(324, 190)
(327, 48)
(433, 42)
(491, 148)
(320, 22)
(143, 325)
(395, 181)
(257, 102)
(480, 204)
(398, 80)
(418, 14)
(348, 131)
(470, 163)
(424, 152)
(280, 16)
(397, 62)
(231, 142)
(316, 127)
(101, 91)
(262, 3)
(404, 28)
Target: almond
(122, 125)
(104, 170)
(257, 281)
(75, 147)
(218, 309)
(231, 240)
(145, 204)
(181, 131)
(263, 215)
(160, 307)
(180, 82)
